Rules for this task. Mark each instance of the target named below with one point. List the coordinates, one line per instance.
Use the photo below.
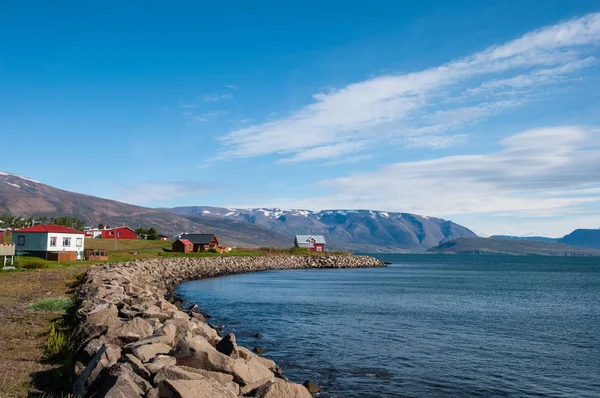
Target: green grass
(124, 244)
(53, 304)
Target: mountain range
(357, 230)
(354, 230)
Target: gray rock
(146, 352)
(159, 362)
(203, 388)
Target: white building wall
(60, 247)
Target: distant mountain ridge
(536, 238)
(585, 238)
(359, 230)
(511, 247)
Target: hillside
(23, 196)
(510, 246)
(537, 238)
(588, 238)
(359, 230)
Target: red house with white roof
(49, 241)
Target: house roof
(115, 228)
(198, 239)
(305, 238)
(49, 228)
(185, 241)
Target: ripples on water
(425, 326)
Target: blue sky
(485, 114)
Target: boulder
(245, 353)
(101, 313)
(227, 345)
(198, 353)
(146, 352)
(130, 331)
(312, 388)
(259, 350)
(286, 390)
(159, 362)
(137, 366)
(202, 388)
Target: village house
(200, 242)
(163, 237)
(314, 243)
(49, 241)
(182, 246)
(111, 233)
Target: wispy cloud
(193, 117)
(395, 107)
(540, 172)
(232, 86)
(216, 97)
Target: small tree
(152, 234)
(100, 226)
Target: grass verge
(52, 304)
(35, 348)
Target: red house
(314, 243)
(118, 233)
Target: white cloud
(434, 141)
(393, 106)
(538, 173)
(326, 152)
(232, 86)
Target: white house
(48, 240)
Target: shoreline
(134, 341)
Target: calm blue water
(426, 326)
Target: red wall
(1, 236)
(126, 233)
(314, 248)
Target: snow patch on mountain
(2, 173)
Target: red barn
(119, 233)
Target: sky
(483, 113)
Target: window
(119, 234)
(79, 242)
(20, 240)
(53, 241)
(66, 242)
(111, 233)
(319, 249)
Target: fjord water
(425, 326)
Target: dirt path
(23, 333)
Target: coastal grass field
(32, 306)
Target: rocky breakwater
(136, 342)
